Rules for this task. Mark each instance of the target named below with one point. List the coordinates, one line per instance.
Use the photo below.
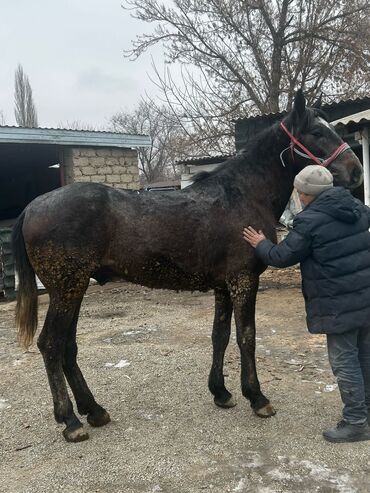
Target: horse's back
(70, 214)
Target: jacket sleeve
(364, 208)
(367, 210)
(292, 250)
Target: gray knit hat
(313, 180)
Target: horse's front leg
(220, 340)
(243, 290)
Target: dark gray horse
(186, 240)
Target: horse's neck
(278, 178)
(283, 188)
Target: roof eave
(74, 138)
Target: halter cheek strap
(307, 154)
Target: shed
(162, 186)
(34, 161)
(195, 165)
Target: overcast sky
(72, 52)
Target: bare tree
(2, 118)
(242, 57)
(80, 125)
(168, 141)
(25, 111)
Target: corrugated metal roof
(327, 106)
(63, 136)
(163, 184)
(204, 160)
(355, 118)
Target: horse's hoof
(77, 435)
(265, 411)
(98, 419)
(231, 402)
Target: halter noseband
(307, 154)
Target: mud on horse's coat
(186, 240)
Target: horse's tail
(26, 309)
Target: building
(34, 161)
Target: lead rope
(281, 155)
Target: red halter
(307, 154)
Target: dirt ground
(146, 355)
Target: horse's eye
(316, 133)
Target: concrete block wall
(112, 166)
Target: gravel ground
(146, 355)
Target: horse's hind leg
(243, 289)
(220, 340)
(51, 343)
(86, 404)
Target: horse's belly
(161, 274)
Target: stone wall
(113, 166)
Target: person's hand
(252, 236)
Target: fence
(7, 274)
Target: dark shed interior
(25, 173)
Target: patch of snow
(121, 364)
(330, 388)
(279, 475)
(241, 486)
(144, 330)
(156, 488)
(4, 404)
(342, 481)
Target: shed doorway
(26, 171)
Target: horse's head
(314, 141)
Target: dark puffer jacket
(330, 239)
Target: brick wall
(113, 166)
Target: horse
(190, 239)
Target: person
(331, 241)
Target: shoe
(346, 432)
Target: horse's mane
(257, 149)
(255, 146)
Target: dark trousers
(349, 357)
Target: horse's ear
(299, 104)
(318, 103)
